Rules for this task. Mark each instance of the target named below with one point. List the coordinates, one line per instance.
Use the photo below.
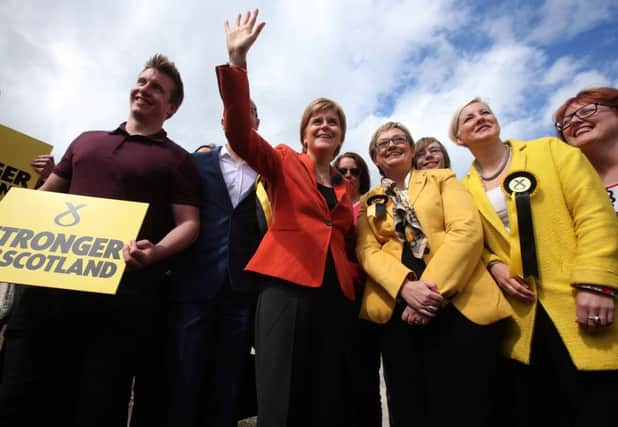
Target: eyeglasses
(434, 151)
(382, 144)
(582, 112)
(353, 171)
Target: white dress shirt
(237, 174)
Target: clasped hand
(423, 301)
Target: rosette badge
(521, 186)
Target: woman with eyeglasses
(420, 242)
(551, 244)
(304, 308)
(430, 153)
(589, 121)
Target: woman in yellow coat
(420, 243)
(589, 121)
(551, 240)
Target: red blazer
(303, 228)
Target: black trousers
(301, 340)
(442, 374)
(551, 390)
(70, 358)
(364, 404)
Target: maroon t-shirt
(151, 169)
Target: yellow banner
(65, 241)
(16, 152)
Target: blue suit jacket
(228, 239)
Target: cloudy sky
(68, 65)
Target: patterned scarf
(407, 225)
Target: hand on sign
(140, 254)
(43, 164)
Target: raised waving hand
(241, 36)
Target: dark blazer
(228, 239)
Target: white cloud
(68, 65)
(568, 89)
(562, 19)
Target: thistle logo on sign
(65, 241)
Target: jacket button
(329, 223)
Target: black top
(329, 195)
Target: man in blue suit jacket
(213, 299)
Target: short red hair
(601, 95)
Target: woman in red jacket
(304, 307)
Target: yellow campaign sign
(65, 241)
(16, 152)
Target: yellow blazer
(453, 228)
(576, 236)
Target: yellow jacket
(576, 236)
(453, 228)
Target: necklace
(323, 179)
(507, 149)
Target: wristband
(492, 263)
(608, 292)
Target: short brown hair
(163, 64)
(422, 143)
(602, 95)
(373, 145)
(322, 104)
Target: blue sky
(68, 64)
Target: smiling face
(430, 156)
(597, 128)
(150, 97)
(476, 124)
(322, 136)
(391, 158)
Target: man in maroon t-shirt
(71, 356)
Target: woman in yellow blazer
(420, 243)
(551, 241)
(589, 121)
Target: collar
(225, 152)
(159, 137)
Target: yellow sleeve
(594, 219)
(455, 260)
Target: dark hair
(422, 143)
(362, 165)
(602, 95)
(163, 64)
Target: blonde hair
(322, 104)
(453, 130)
